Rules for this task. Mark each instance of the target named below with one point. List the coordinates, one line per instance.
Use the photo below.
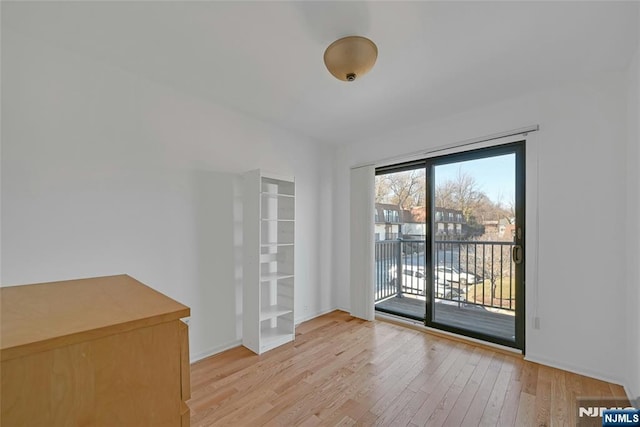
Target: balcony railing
(476, 272)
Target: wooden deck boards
(476, 319)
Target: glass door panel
(476, 218)
(400, 235)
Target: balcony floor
(472, 318)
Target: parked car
(453, 275)
(414, 279)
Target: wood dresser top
(43, 316)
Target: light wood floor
(345, 371)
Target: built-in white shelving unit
(268, 274)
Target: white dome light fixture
(350, 57)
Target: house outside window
(391, 216)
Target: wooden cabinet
(268, 273)
(105, 351)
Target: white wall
(105, 173)
(581, 150)
(633, 230)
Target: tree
(511, 210)
(407, 189)
(445, 195)
(461, 193)
(403, 189)
(382, 189)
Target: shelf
(274, 276)
(269, 213)
(273, 337)
(275, 195)
(265, 258)
(273, 311)
(275, 245)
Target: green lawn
(505, 284)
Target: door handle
(516, 254)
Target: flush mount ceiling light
(350, 57)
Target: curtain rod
(417, 154)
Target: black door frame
(517, 148)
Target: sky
(495, 175)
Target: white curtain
(362, 241)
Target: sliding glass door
(450, 242)
(400, 240)
(476, 247)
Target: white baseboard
(313, 316)
(215, 350)
(235, 343)
(571, 368)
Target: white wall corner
(306, 318)
(212, 351)
(632, 292)
(570, 367)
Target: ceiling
(265, 58)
